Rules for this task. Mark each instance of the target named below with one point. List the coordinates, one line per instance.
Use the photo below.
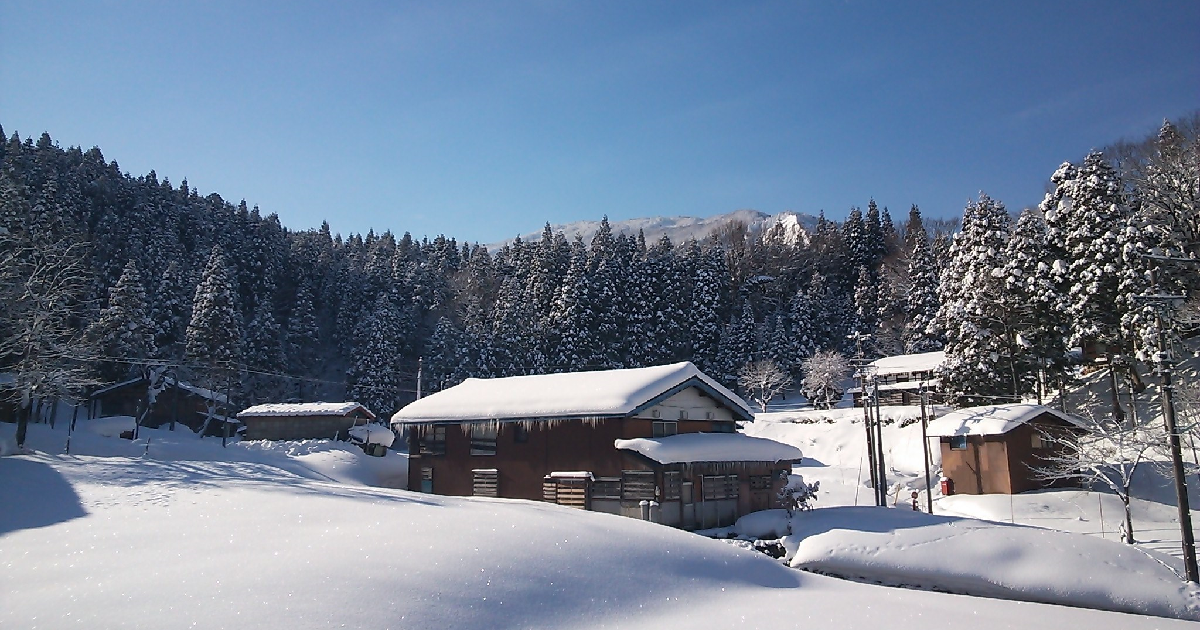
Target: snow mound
(373, 434)
(895, 546)
(303, 409)
(111, 426)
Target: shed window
(1039, 441)
(663, 429)
(483, 438)
(723, 426)
(958, 442)
(720, 487)
(672, 482)
(433, 441)
(485, 482)
(760, 482)
(683, 414)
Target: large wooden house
(901, 379)
(606, 441)
(998, 448)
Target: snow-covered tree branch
(764, 380)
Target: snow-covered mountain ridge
(681, 228)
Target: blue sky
(482, 120)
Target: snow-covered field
(295, 535)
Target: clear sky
(482, 120)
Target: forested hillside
(104, 274)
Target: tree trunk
(1118, 412)
(1128, 519)
(23, 425)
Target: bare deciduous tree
(1106, 453)
(764, 380)
(40, 287)
(824, 373)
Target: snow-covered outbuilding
(901, 378)
(158, 399)
(604, 440)
(299, 421)
(996, 448)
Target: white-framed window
(683, 414)
(483, 438)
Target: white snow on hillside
(216, 538)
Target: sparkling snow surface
(138, 542)
(711, 447)
(990, 419)
(303, 409)
(570, 395)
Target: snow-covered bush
(797, 494)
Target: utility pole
(883, 484)
(420, 365)
(1164, 362)
(925, 448)
(862, 389)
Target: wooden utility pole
(925, 448)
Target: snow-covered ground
(188, 534)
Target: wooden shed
(995, 449)
(157, 400)
(301, 421)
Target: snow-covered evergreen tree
(1038, 309)
(979, 338)
(170, 310)
(214, 336)
(375, 377)
(123, 334)
(921, 300)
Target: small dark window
(520, 433)
(433, 441)
(760, 482)
(958, 442)
(683, 414)
(723, 426)
(1040, 441)
(720, 487)
(663, 429)
(483, 438)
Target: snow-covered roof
(992, 419)
(168, 381)
(901, 386)
(711, 447)
(907, 363)
(304, 409)
(569, 395)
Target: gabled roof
(688, 448)
(304, 409)
(992, 419)
(569, 395)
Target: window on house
(483, 438)
(663, 429)
(672, 482)
(520, 433)
(683, 414)
(433, 441)
(637, 485)
(427, 480)
(1039, 441)
(760, 482)
(720, 487)
(723, 426)
(958, 442)
(708, 415)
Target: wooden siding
(298, 427)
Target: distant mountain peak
(793, 227)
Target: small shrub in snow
(798, 495)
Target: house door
(687, 505)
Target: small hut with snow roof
(300, 421)
(605, 440)
(997, 448)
